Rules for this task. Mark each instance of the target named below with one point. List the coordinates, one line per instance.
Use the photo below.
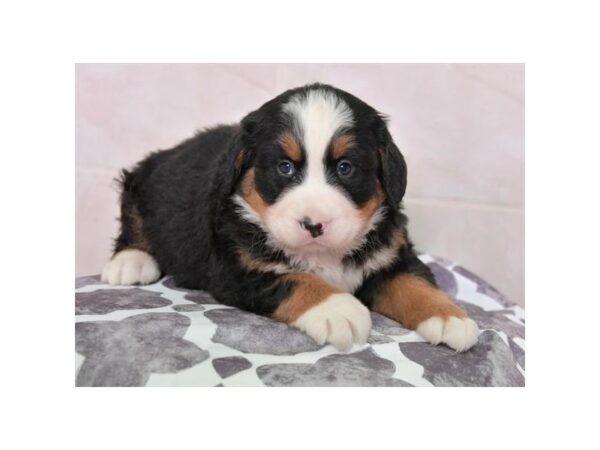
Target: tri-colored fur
(295, 213)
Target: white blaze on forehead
(319, 115)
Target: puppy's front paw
(131, 267)
(341, 319)
(457, 333)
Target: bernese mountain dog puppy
(295, 214)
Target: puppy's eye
(344, 168)
(286, 168)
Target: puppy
(295, 214)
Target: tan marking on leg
(251, 195)
(290, 146)
(133, 221)
(410, 300)
(341, 145)
(137, 226)
(309, 290)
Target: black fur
(191, 226)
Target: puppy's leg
(132, 262)
(418, 305)
(324, 313)
(131, 266)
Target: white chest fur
(345, 277)
(333, 271)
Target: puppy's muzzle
(315, 229)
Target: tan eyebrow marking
(290, 146)
(341, 145)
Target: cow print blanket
(161, 335)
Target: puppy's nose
(315, 229)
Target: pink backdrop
(460, 127)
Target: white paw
(341, 319)
(458, 334)
(131, 267)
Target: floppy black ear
(393, 171)
(239, 154)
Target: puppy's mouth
(306, 237)
(315, 243)
(304, 243)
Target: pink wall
(460, 126)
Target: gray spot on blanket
(363, 368)
(489, 363)
(493, 320)
(86, 281)
(188, 308)
(126, 352)
(250, 333)
(200, 297)
(105, 301)
(384, 325)
(230, 365)
(375, 339)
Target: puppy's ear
(240, 159)
(393, 173)
(251, 126)
(240, 152)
